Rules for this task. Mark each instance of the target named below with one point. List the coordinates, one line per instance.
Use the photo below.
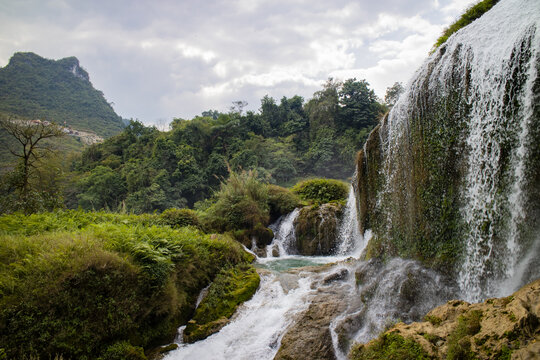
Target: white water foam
(351, 242)
(284, 235)
(258, 326)
(490, 58)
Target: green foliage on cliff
(84, 285)
(59, 91)
(471, 14)
(321, 191)
(230, 289)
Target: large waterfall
(460, 156)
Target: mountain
(59, 91)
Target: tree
(322, 109)
(393, 93)
(358, 104)
(238, 106)
(103, 188)
(30, 150)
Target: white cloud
(165, 59)
(458, 6)
(195, 52)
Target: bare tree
(238, 106)
(30, 148)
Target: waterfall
(493, 122)
(351, 242)
(457, 150)
(382, 294)
(284, 235)
(258, 326)
(447, 178)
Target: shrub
(241, 203)
(281, 201)
(176, 218)
(123, 351)
(321, 190)
(389, 346)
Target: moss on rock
(459, 330)
(389, 346)
(316, 229)
(230, 289)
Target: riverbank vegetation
(84, 285)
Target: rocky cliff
(499, 328)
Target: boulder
(317, 228)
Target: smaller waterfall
(284, 235)
(256, 330)
(351, 242)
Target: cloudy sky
(156, 60)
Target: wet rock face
(498, 328)
(310, 336)
(414, 291)
(316, 229)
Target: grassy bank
(98, 285)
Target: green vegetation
(320, 191)
(60, 91)
(459, 341)
(144, 170)
(241, 203)
(230, 288)
(245, 206)
(281, 201)
(434, 320)
(389, 346)
(88, 285)
(472, 13)
(22, 187)
(176, 218)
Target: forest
(142, 169)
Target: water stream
(256, 330)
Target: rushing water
(493, 122)
(349, 232)
(499, 65)
(284, 235)
(256, 329)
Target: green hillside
(60, 91)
